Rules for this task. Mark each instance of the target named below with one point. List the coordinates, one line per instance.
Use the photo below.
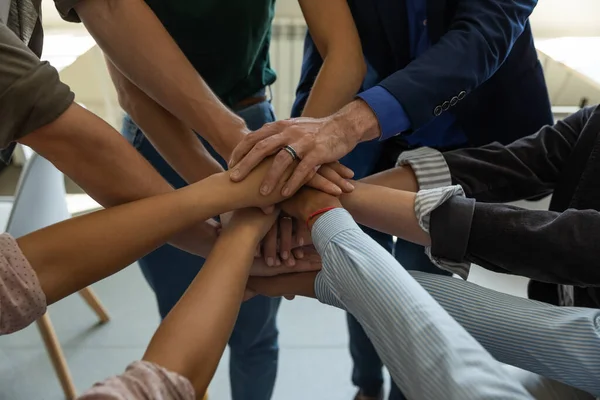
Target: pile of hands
(277, 196)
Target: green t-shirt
(227, 41)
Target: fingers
(285, 240)
(298, 253)
(310, 262)
(270, 247)
(281, 162)
(259, 152)
(323, 184)
(251, 139)
(334, 176)
(341, 170)
(299, 176)
(303, 237)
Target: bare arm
(332, 28)
(387, 210)
(176, 142)
(135, 41)
(73, 254)
(183, 343)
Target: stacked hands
(289, 191)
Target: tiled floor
(314, 363)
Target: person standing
(443, 74)
(233, 60)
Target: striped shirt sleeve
(434, 180)
(429, 355)
(429, 167)
(425, 203)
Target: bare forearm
(212, 300)
(334, 33)
(138, 45)
(78, 252)
(97, 158)
(335, 86)
(399, 178)
(386, 210)
(101, 161)
(177, 144)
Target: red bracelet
(317, 213)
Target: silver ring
(291, 152)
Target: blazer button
(453, 101)
(445, 105)
(437, 111)
(462, 95)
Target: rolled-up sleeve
(31, 93)
(429, 166)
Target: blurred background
(315, 363)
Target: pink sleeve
(143, 381)
(22, 300)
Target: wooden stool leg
(57, 357)
(92, 300)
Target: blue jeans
(367, 368)
(253, 344)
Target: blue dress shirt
(442, 131)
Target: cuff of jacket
(429, 167)
(429, 202)
(390, 114)
(450, 228)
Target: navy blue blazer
(482, 65)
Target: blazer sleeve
(526, 168)
(478, 41)
(31, 93)
(546, 246)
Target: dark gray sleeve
(66, 9)
(543, 245)
(527, 168)
(31, 93)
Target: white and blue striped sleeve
(428, 354)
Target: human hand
(253, 221)
(286, 285)
(246, 193)
(307, 201)
(311, 261)
(315, 142)
(283, 243)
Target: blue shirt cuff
(329, 225)
(389, 112)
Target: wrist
(319, 202)
(359, 121)
(229, 136)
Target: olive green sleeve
(31, 93)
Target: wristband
(317, 213)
